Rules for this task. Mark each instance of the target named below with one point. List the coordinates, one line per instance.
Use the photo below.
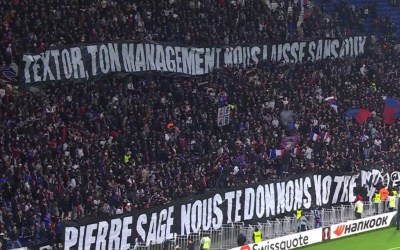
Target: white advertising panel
(287, 242)
(361, 225)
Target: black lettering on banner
(96, 61)
(249, 204)
(295, 243)
(354, 227)
(367, 224)
(347, 229)
(360, 225)
(372, 222)
(385, 220)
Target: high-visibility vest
(299, 213)
(377, 198)
(373, 85)
(257, 236)
(207, 242)
(392, 201)
(360, 207)
(394, 193)
(127, 158)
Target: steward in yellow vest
(299, 213)
(377, 197)
(205, 243)
(257, 236)
(359, 209)
(392, 202)
(377, 201)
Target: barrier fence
(226, 237)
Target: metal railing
(226, 236)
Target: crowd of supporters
(33, 26)
(109, 146)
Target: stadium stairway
(383, 7)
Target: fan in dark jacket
(241, 240)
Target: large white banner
(249, 204)
(94, 61)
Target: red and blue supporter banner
(361, 115)
(391, 111)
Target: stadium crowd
(114, 145)
(34, 26)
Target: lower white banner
(321, 234)
(287, 242)
(360, 225)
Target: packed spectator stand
(108, 146)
